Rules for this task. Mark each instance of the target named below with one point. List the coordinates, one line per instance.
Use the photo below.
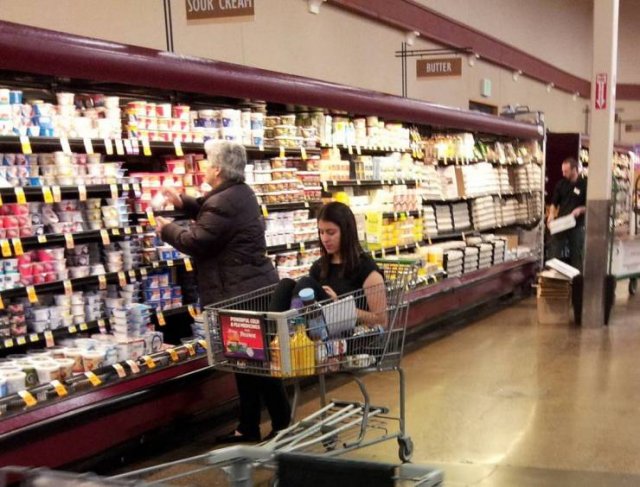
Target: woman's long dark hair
(350, 249)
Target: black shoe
(236, 437)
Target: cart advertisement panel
(243, 337)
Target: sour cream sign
(214, 9)
(242, 337)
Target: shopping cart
(238, 466)
(248, 466)
(357, 334)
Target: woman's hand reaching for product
(172, 197)
(330, 292)
(160, 223)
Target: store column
(603, 84)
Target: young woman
(344, 267)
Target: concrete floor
(509, 402)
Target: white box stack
(429, 224)
(461, 220)
(443, 219)
(484, 215)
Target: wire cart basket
(357, 334)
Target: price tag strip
(178, 147)
(48, 338)
(6, 248)
(28, 398)
(59, 388)
(64, 143)
(149, 362)
(122, 279)
(31, 294)
(47, 195)
(161, 320)
(93, 378)
(26, 145)
(108, 147)
(57, 194)
(17, 247)
(105, 237)
(21, 199)
(120, 370)
(68, 238)
(88, 145)
(134, 366)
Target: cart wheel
(633, 286)
(405, 449)
(330, 443)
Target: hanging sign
(601, 91)
(435, 68)
(215, 9)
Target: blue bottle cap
(307, 294)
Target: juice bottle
(302, 351)
(276, 364)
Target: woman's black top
(346, 283)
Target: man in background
(569, 198)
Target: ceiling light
(516, 75)
(550, 87)
(314, 5)
(410, 37)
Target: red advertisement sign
(243, 337)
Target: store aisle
(508, 402)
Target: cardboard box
(554, 297)
(626, 257)
(553, 311)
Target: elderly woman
(226, 240)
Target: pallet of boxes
(554, 292)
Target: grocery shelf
(131, 147)
(266, 208)
(89, 236)
(48, 193)
(463, 161)
(297, 205)
(293, 246)
(367, 183)
(49, 336)
(103, 376)
(470, 232)
(354, 149)
(476, 196)
(399, 214)
(80, 282)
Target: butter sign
(432, 68)
(214, 9)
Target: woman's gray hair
(230, 157)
